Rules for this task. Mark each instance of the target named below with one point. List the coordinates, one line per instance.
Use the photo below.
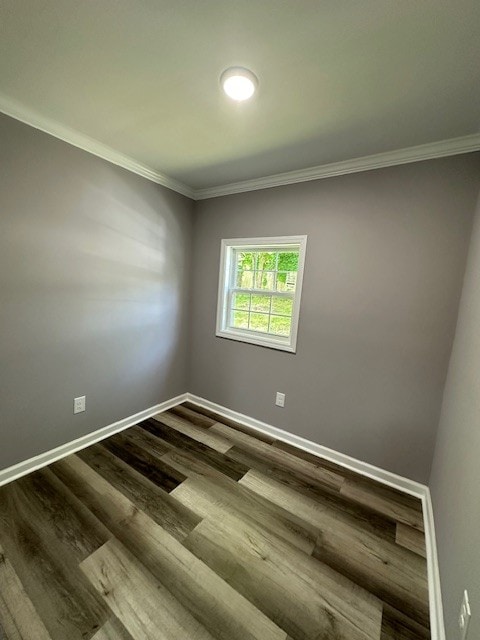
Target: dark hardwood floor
(189, 526)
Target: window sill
(259, 340)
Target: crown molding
(16, 110)
(451, 147)
(440, 149)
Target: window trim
(265, 340)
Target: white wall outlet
(79, 404)
(464, 617)
(280, 399)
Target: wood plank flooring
(190, 526)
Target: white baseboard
(437, 625)
(406, 485)
(375, 473)
(43, 459)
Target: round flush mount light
(239, 83)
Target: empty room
(239, 320)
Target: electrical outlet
(464, 617)
(280, 399)
(79, 404)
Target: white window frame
(225, 285)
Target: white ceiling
(339, 79)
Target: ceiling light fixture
(239, 83)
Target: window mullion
(258, 331)
(264, 292)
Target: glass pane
(264, 280)
(291, 280)
(259, 322)
(265, 261)
(244, 260)
(240, 319)
(261, 303)
(288, 261)
(280, 326)
(241, 301)
(282, 306)
(286, 280)
(244, 279)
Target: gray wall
(455, 475)
(385, 260)
(94, 299)
(94, 263)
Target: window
(259, 290)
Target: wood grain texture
(147, 441)
(393, 495)
(219, 607)
(8, 625)
(304, 597)
(410, 538)
(223, 494)
(142, 604)
(304, 470)
(143, 493)
(384, 501)
(143, 461)
(205, 436)
(19, 617)
(397, 626)
(113, 629)
(193, 417)
(218, 461)
(386, 569)
(189, 526)
(318, 491)
(56, 513)
(211, 499)
(217, 418)
(45, 555)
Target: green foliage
(241, 301)
(245, 261)
(280, 325)
(267, 261)
(288, 261)
(261, 303)
(282, 306)
(254, 269)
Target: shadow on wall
(94, 264)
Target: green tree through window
(273, 273)
(259, 292)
